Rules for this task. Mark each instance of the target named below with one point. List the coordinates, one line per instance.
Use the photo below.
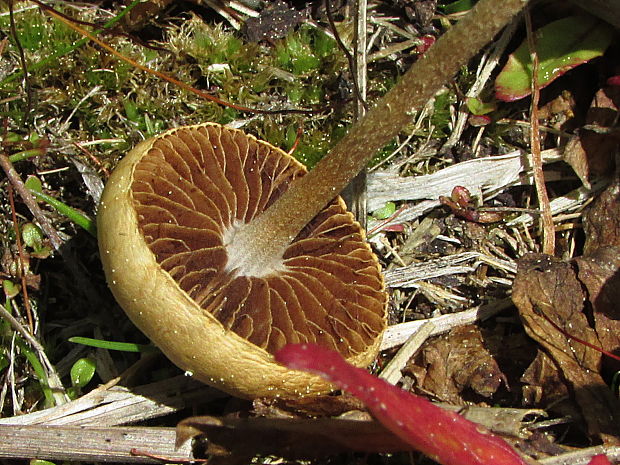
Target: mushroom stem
(309, 194)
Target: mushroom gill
(180, 259)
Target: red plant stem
(599, 460)
(442, 435)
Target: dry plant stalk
(381, 124)
(546, 220)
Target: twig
(28, 199)
(583, 456)
(22, 266)
(547, 226)
(110, 405)
(399, 333)
(392, 371)
(345, 50)
(355, 194)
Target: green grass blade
(71, 213)
(38, 370)
(112, 345)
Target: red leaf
(613, 81)
(444, 436)
(599, 460)
(427, 41)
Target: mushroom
(218, 295)
(217, 283)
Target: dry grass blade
(53, 380)
(78, 443)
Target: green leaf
(111, 345)
(82, 372)
(34, 184)
(478, 107)
(41, 462)
(78, 218)
(10, 288)
(560, 45)
(32, 236)
(131, 111)
(39, 371)
(459, 6)
(385, 212)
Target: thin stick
(393, 370)
(355, 193)
(30, 202)
(546, 220)
(22, 266)
(352, 64)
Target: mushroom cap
(164, 223)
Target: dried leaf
(543, 384)
(590, 152)
(599, 273)
(459, 361)
(602, 220)
(547, 285)
(442, 435)
(274, 22)
(143, 12)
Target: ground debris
(458, 362)
(588, 152)
(549, 296)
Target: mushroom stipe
(169, 222)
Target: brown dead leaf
(599, 268)
(457, 362)
(549, 286)
(560, 111)
(600, 274)
(274, 22)
(590, 153)
(543, 385)
(601, 222)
